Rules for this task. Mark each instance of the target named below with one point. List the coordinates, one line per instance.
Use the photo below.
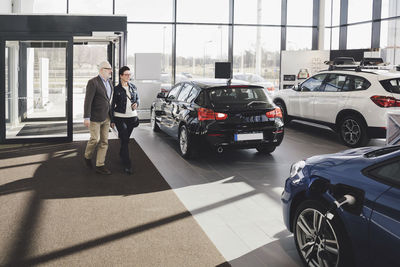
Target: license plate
(248, 136)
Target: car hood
(336, 159)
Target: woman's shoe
(128, 170)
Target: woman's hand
(134, 106)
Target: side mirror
(161, 95)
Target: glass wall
(256, 55)
(205, 11)
(298, 38)
(359, 10)
(198, 47)
(50, 6)
(359, 36)
(258, 12)
(146, 11)
(300, 12)
(91, 7)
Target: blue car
(344, 208)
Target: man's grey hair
(104, 64)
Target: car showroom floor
(235, 197)
(205, 211)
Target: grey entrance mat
(56, 212)
(51, 129)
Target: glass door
(36, 89)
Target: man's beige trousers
(98, 135)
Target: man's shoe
(103, 170)
(88, 163)
(128, 171)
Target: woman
(124, 107)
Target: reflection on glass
(359, 36)
(298, 38)
(359, 10)
(50, 6)
(300, 12)
(203, 11)
(149, 10)
(390, 8)
(390, 41)
(86, 61)
(256, 55)
(36, 89)
(94, 7)
(258, 12)
(198, 48)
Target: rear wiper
(256, 102)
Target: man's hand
(134, 106)
(112, 125)
(86, 122)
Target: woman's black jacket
(118, 103)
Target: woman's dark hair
(123, 69)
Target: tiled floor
(235, 197)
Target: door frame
(69, 68)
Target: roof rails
(348, 63)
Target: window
(246, 12)
(334, 83)
(389, 172)
(198, 47)
(50, 6)
(184, 92)
(359, 10)
(256, 54)
(91, 7)
(313, 83)
(149, 10)
(203, 11)
(200, 99)
(392, 86)
(359, 36)
(300, 12)
(192, 95)
(173, 93)
(229, 95)
(298, 38)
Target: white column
(321, 25)
(13, 82)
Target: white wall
(5, 7)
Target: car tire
(353, 131)
(311, 232)
(286, 118)
(153, 123)
(185, 142)
(266, 149)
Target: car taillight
(271, 88)
(163, 90)
(209, 114)
(385, 101)
(276, 113)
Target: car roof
(213, 83)
(381, 74)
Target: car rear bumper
(226, 139)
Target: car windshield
(239, 95)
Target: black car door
(168, 107)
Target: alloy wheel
(351, 131)
(317, 239)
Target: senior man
(97, 116)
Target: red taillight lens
(385, 101)
(271, 88)
(209, 114)
(276, 113)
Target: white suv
(353, 103)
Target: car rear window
(238, 95)
(392, 85)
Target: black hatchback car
(222, 113)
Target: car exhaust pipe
(220, 149)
